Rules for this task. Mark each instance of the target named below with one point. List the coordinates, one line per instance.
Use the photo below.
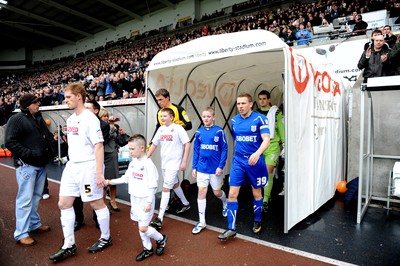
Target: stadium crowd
(120, 72)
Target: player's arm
(151, 150)
(185, 156)
(99, 156)
(122, 180)
(224, 153)
(264, 145)
(196, 154)
(184, 118)
(154, 143)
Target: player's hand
(253, 159)
(101, 181)
(147, 207)
(194, 173)
(219, 172)
(183, 166)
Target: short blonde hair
(103, 112)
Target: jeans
(30, 181)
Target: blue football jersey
(210, 149)
(247, 133)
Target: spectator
(374, 61)
(360, 27)
(30, 142)
(122, 138)
(390, 38)
(303, 35)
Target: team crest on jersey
(99, 134)
(216, 139)
(253, 128)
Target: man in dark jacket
(29, 139)
(374, 60)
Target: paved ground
(183, 248)
(331, 235)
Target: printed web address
(239, 47)
(221, 50)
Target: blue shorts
(242, 173)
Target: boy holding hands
(142, 178)
(175, 146)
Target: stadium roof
(44, 24)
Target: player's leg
(216, 184)
(257, 208)
(67, 219)
(236, 180)
(179, 192)
(268, 188)
(69, 189)
(93, 194)
(271, 156)
(168, 184)
(203, 181)
(232, 207)
(67, 223)
(258, 179)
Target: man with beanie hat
(30, 142)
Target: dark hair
(162, 92)
(266, 93)
(388, 26)
(96, 105)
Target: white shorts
(79, 179)
(170, 178)
(216, 182)
(137, 212)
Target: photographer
(374, 60)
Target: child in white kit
(142, 179)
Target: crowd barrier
(131, 114)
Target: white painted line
(269, 244)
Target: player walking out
(175, 146)
(277, 136)
(251, 134)
(84, 173)
(209, 157)
(142, 179)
